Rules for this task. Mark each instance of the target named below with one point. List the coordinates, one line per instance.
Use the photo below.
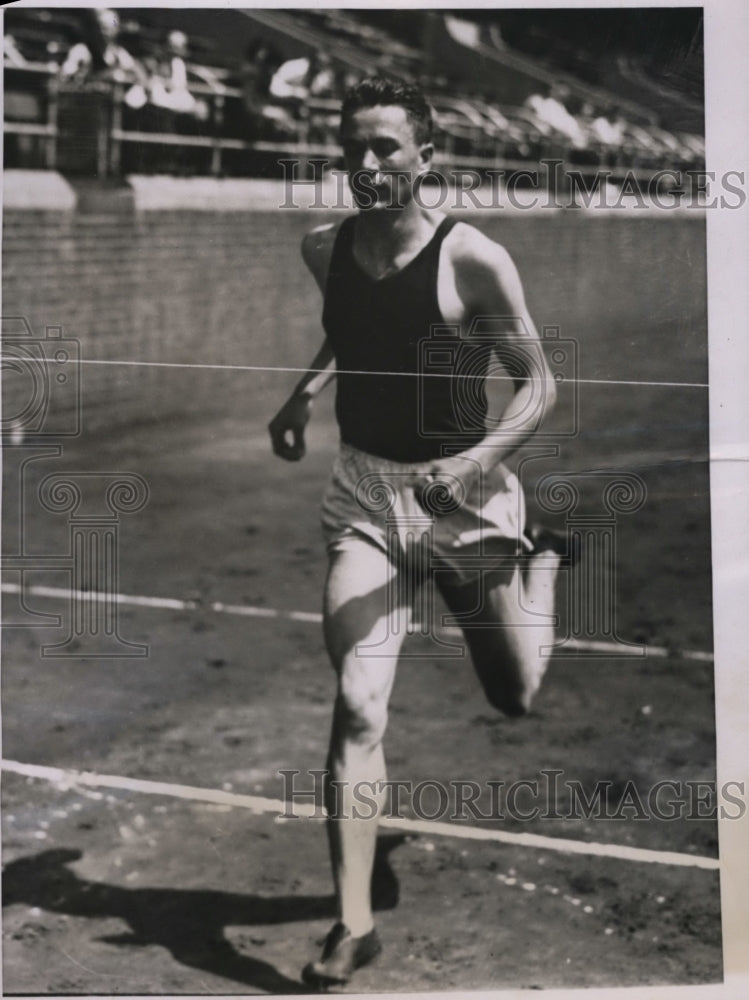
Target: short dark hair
(374, 91)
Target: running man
(412, 466)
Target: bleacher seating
(48, 118)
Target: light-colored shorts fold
(373, 501)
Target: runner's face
(382, 156)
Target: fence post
(115, 147)
(50, 152)
(218, 120)
(103, 120)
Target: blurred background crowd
(106, 91)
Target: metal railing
(112, 135)
(463, 144)
(46, 130)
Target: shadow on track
(189, 923)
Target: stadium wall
(210, 274)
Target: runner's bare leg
(505, 618)
(364, 632)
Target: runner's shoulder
(476, 257)
(317, 249)
(469, 247)
(319, 241)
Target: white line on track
(248, 611)
(69, 778)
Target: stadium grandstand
(110, 92)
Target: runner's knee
(361, 709)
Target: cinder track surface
(111, 891)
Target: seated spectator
(607, 132)
(259, 63)
(102, 55)
(293, 83)
(289, 80)
(256, 72)
(492, 112)
(168, 85)
(12, 55)
(607, 135)
(552, 116)
(321, 77)
(309, 76)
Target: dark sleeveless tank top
(405, 387)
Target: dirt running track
(111, 892)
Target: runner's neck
(386, 241)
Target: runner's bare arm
(488, 284)
(485, 284)
(291, 420)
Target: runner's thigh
(364, 618)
